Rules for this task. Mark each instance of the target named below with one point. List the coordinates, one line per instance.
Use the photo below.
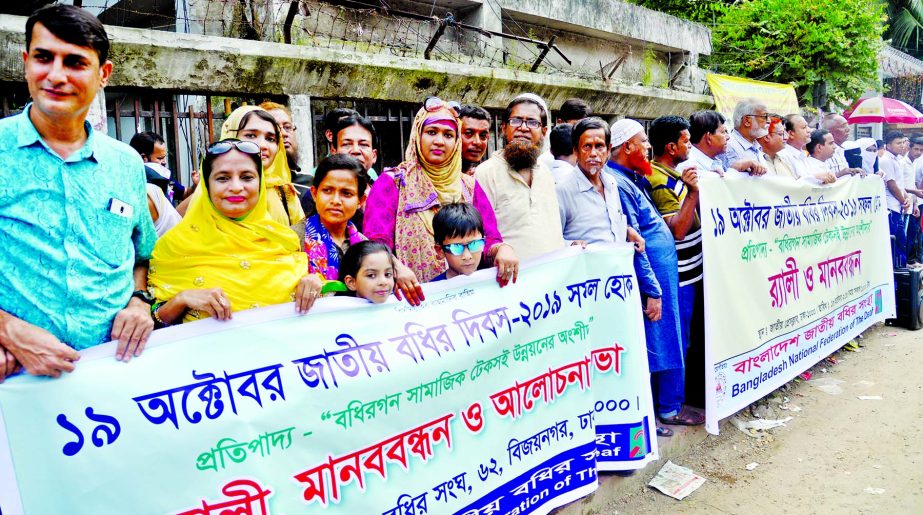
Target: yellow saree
(255, 260)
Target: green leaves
(812, 41)
(799, 42)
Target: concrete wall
(204, 64)
(612, 19)
(341, 53)
(592, 34)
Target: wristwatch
(144, 295)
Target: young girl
(367, 270)
(338, 191)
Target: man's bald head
(838, 127)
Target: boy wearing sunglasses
(459, 238)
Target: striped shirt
(739, 149)
(837, 162)
(668, 192)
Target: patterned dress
(323, 253)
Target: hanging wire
(365, 26)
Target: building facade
(182, 65)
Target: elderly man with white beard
(751, 122)
(520, 188)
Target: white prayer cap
(538, 100)
(624, 129)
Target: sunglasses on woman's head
(435, 103)
(457, 249)
(225, 146)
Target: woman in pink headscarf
(401, 205)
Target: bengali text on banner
(792, 272)
(483, 400)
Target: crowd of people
(84, 261)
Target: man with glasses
(773, 144)
(519, 187)
(77, 235)
(751, 121)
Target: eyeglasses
(435, 103)
(528, 122)
(457, 249)
(288, 128)
(225, 146)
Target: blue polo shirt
(67, 260)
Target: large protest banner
(482, 400)
(792, 272)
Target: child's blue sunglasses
(457, 249)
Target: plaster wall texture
(193, 64)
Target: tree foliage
(701, 11)
(805, 43)
(826, 46)
(906, 25)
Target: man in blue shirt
(751, 122)
(588, 199)
(629, 164)
(73, 209)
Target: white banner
(792, 272)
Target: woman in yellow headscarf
(228, 254)
(401, 204)
(252, 123)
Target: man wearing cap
(520, 188)
(629, 164)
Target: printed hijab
(422, 188)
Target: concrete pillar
(486, 16)
(204, 17)
(97, 113)
(300, 106)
